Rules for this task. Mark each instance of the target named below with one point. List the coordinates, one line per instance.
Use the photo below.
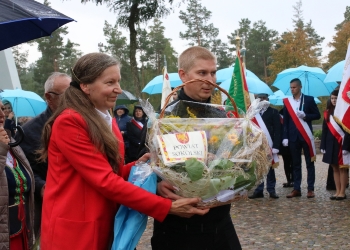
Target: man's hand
(301, 114)
(275, 151)
(345, 152)
(323, 151)
(166, 190)
(285, 142)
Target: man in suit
(271, 119)
(299, 111)
(55, 86)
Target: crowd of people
(65, 181)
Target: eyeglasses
(51, 92)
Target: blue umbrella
(277, 98)
(24, 103)
(129, 224)
(226, 73)
(335, 73)
(25, 20)
(311, 79)
(255, 86)
(155, 86)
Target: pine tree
(199, 31)
(117, 45)
(131, 13)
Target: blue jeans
(295, 150)
(270, 183)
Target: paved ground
(297, 223)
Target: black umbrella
(25, 20)
(126, 98)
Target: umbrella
(130, 224)
(25, 20)
(311, 79)
(255, 86)
(24, 103)
(277, 98)
(155, 86)
(126, 98)
(226, 73)
(335, 73)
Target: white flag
(166, 90)
(342, 108)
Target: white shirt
(296, 102)
(107, 117)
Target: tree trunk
(133, 47)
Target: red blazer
(82, 193)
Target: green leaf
(194, 169)
(221, 164)
(218, 184)
(242, 181)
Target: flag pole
(166, 89)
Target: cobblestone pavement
(297, 223)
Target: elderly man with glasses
(55, 86)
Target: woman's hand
(184, 207)
(3, 136)
(144, 158)
(166, 190)
(11, 115)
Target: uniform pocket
(76, 235)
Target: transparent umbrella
(126, 98)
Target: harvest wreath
(218, 158)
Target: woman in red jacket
(86, 180)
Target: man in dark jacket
(271, 119)
(121, 114)
(299, 112)
(55, 86)
(214, 230)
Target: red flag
(342, 108)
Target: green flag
(238, 88)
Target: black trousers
(211, 236)
(288, 167)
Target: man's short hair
(189, 56)
(262, 95)
(51, 79)
(296, 80)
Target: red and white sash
(302, 127)
(136, 124)
(260, 123)
(339, 134)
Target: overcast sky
(88, 28)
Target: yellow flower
(213, 140)
(234, 139)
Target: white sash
(337, 129)
(261, 123)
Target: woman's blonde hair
(86, 70)
(188, 58)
